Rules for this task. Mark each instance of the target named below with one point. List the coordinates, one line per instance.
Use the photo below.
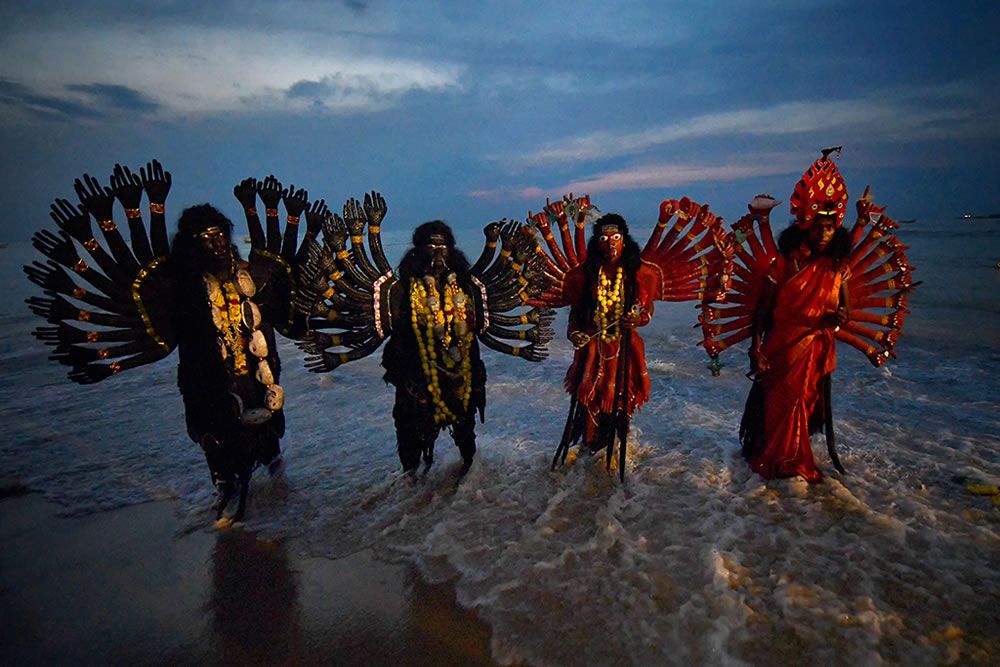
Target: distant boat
(992, 216)
(907, 222)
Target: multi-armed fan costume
(197, 295)
(610, 287)
(794, 300)
(434, 313)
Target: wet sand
(122, 587)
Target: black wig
(792, 238)
(417, 259)
(193, 221)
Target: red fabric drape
(800, 350)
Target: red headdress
(820, 191)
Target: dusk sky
(472, 111)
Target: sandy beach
(127, 587)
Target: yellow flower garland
(436, 325)
(228, 315)
(610, 301)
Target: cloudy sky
(470, 113)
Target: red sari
(593, 375)
(800, 350)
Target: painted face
(437, 248)
(610, 243)
(820, 232)
(215, 249)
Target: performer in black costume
(434, 259)
(230, 411)
(435, 313)
(197, 295)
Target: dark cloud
(106, 100)
(116, 98)
(18, 96)
(335, 85)
(308, 89)
(356, 6)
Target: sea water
(694, 559)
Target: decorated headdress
(820, 191)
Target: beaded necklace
(610, 302)
(442, 332)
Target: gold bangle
(91, 244)
(80, 266)
(83, 316)
(374, 229)
(293, 220)
(271, 212)
(103, 353)
(107, 225)
(79, 293)
(343, 254)
(114, 366)
(251, 212)
(132, 213)
(93, 336)
(156, 208)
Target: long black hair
(792, 238)
(630, 261)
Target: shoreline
(125, 586)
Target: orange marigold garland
(227, 314)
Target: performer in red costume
(610, 286)
(793, 352)
(819, 284)
(803, 300)
(610, 295)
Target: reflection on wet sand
(253, 606)
(266, 607)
